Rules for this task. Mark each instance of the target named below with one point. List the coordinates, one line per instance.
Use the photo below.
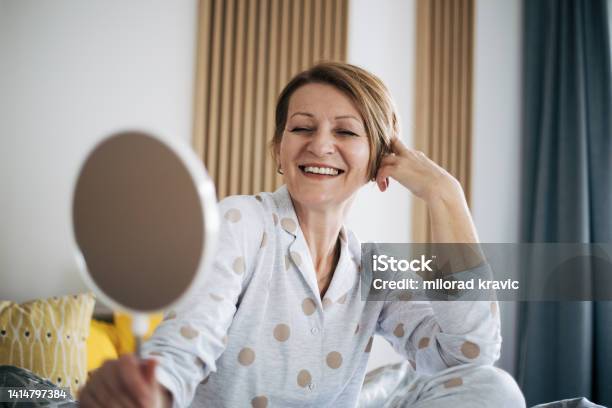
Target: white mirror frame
(210, 211)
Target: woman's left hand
(415, 171)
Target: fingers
(120, 383)
(398, 147)
(110, 387)
(389, 160)
(132, 380)
(411, 168)
(405, 165)
(384, 185)
(96, 393)
(147, 367)
(86, 400)
(382, 177)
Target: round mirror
(145, 217)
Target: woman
(280, 321)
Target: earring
(279, 171)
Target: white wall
(381, 40)
(74, 71)
(496, 144)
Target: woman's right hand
(126, 383)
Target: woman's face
(324, 150)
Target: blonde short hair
(368, 93)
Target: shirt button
(311, 386)
(314, 331)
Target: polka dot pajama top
(257, 333)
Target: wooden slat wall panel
(317, 28)
(247, 51)
(238, 117)
(249, 101)
(443, 105)
(227, 31)
(307, 27)
(202, 75)
(211, 127)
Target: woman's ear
(277, 156)
(274, 149)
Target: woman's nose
(322, 143)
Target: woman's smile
(317, 171)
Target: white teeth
(321, 170)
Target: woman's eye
(300, 129)
(347, 132)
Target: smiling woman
(324, 150)
(279, 319)
(365, 107)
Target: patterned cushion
(48, 337)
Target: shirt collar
(346, 272)
(286, 213)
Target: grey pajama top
(257, 333)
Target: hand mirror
(145, 217)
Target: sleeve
(435, 335)
(194, 334)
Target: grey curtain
(565, 348)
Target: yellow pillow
(48, 337)
(123, 326)
(101, 344)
